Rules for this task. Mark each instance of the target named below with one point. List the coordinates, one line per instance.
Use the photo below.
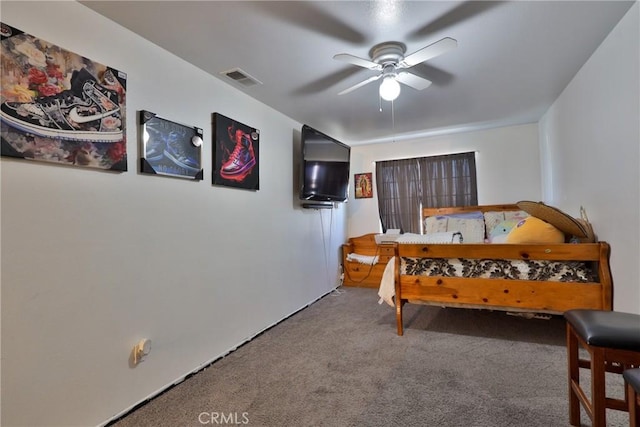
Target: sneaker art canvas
(59, 107)
(235, 154)
(170, 148)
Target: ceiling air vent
(242, 77)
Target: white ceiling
(513, 58)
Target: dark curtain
(398, 185)
(406, 186)
(448, 180)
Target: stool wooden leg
(574, 376)
(634, 403)
(598, 388)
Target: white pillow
(472, 229)
(469, 224)
(515, 215)
(491, 219)
(435, 224)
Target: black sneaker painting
(59, 107)
(86, 112)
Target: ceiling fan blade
(411, 80)
(462, 12)
(360, 62)
(435, 49)
(312, 17)
(359, 85)
(325, 82)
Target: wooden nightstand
(365, 275)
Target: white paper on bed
(363, 259)
(387, 289)
(441, 237)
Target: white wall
(94, 261)
(507, 167)
(590, 150)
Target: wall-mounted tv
(325, 167)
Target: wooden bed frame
(503, 294)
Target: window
(406, 186)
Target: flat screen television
(325, 167)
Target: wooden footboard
(505, 294)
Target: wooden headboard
(427, 212)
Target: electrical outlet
(141, 350)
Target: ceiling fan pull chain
(393, 121)
(393, 117)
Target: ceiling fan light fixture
(389, 88)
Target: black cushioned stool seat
(632, 378)
(612, 340)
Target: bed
(529, 279)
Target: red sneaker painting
(235, 157)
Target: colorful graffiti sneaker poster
(59, 107)
(235, 154)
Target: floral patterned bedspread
(556, 271)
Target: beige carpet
(340, 363)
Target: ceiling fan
(389, 59)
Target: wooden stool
(632, 378)
(613, 342)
